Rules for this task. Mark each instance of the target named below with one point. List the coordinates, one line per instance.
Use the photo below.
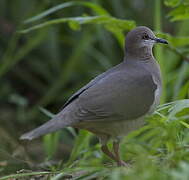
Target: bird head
(141, 39)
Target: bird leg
(114, 156)
(116, 151)
(106, 151)
(117, 156)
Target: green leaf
(178, 107)
(172, 3)
(81, 143)
(95, 7)
(185, 124)
(184, 91)
(13, 176)
(74, 25)
(18, 100)
(180, 13)
(181, 172)
(112, 24)
(50, 143)
(48, 12)
(46, 112)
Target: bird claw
(123, 164)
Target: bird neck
(142, 53)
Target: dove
(117, 101)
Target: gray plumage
(115, 102)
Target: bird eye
(145, 36)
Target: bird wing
(121, 94)
(90, 84)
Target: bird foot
(123, 164)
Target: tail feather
(48, 127)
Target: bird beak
(158, 40)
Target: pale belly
(114, 129)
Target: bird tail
(53, 125)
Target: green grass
(162, 142)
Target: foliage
(163, 142)
(46, 57)
(180, 11)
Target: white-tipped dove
(116, 101)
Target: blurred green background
(49, 49)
